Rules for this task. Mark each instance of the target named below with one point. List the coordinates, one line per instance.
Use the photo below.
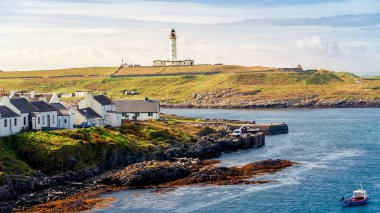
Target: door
(48, 120)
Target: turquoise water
(337, 150)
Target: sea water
(337, 150)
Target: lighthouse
(173, 45)
(173, 60)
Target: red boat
(359, 197)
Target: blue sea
(338, 149)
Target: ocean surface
(338, 149)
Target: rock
(148, 173)
(222, 100)
(233, 175)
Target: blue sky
(46, 34)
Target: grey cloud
(350, 21)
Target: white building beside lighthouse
(173, 55)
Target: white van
(237, 133)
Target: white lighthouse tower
(173, 45)
(173, 60)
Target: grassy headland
(257, 83)
(58, 151)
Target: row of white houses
(28, 111)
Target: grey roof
(23, 105)
(137, 106)
(89, 113)
(42, 106)
(62, 110)
(103, 100)
(5, 112)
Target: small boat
(359, 197)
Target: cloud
(42, 59)
(43, 34)
(351, 20)
(320, 46)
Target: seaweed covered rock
(16, 185)
(234, 175)
(148, 173)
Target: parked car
(86, 125)
(237, 133)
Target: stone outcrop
(233, 175)
(148, 173)
(231, 99)
(182, 173)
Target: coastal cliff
(48, 162)
(231, 99)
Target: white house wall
(143, 116)
(25, 125)
(11, 128)
(44, 117)
(113, 119)
(61, 122)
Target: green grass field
(192, 69)
(91, 71)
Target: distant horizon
(341, 35)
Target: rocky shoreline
(230, 99)
(19, 193)
(163, 176)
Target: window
(15, 121)
(39, 120)
(65, 121)
(137, 114)
(150, 114)
(43, 119)
(5, 122)
(53, 118)
(24, 121)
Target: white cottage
(10, 122)
(47, 116)
(65, 116)
(103, 107)
(87, 115)
(138, 109)
(22, 107)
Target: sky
(340, 35)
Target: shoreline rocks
(301, 102)
(162, 177)
(148, 173)
(233, 175)
(17, 194)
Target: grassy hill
(260, 84)
(90, 71)
(190, 69)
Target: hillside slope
(233, 86)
